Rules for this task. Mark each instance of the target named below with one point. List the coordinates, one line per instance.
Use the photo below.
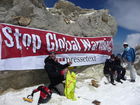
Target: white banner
(37, 62)
(26, 48)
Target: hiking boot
(132, 80)
(123, 79)
(113, 83)
(119, 81)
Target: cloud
(126, 12)
(133, 39)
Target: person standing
(54, 70)
(129, 57)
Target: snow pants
(59, 88)
(132, 71)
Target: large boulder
(64, 18)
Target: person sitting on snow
(54, 70)
(120, 71)
(109, 72)
(45, 94)
(118, 61)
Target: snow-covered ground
(127, 93)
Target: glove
(30, 97)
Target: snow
(127, 93)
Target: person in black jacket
(54, 68)
(120, 70)
(109, 72)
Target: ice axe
(28, 99)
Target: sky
(126, 13)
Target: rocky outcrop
(84, 22)
(137, 63)
(21, 79)
(64, 18)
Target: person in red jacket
(45, 94)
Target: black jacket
(53, 69)
(108, 67)
(117, 64)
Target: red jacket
(44, 92)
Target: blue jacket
(129, 55)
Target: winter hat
(52, 52)
(119, 55)
(112, 56)
(125, 43)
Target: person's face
(112, 59)
(53, 56)
(119, 57)
(125, 46)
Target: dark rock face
(21, 79)
(64, 18)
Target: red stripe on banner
(22, 42)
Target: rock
(64, 18)
(24, 21)
(21, 79)
(94, 83)
(96, 102)
(137, 62)
(83, 22)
